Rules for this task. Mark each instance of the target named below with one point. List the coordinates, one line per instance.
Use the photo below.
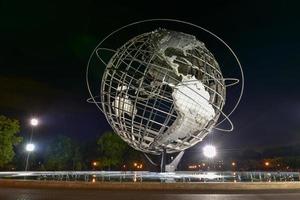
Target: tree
(8, 139)
(111, 148)
(77, 161)
(63, 154)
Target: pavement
(92, 194)
(68, 190)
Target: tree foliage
(9, 129)
(111, 149)
(63, 154)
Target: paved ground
(74, 194)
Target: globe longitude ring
(163, 89)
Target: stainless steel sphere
(162, 90)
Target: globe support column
(163, 161)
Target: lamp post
(30, 147)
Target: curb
(150, 185)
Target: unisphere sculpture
(162, 91)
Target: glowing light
(34, 122)
(211, 175)
(267, 164)
(94, 163)
(209, 151)
(30, 147)
(233, 163)
(192, 166)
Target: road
(73, 194)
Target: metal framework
(162, 90)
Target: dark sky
(45, 46)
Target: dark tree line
(109, 152)
(65, 153)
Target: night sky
(45, 46)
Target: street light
(34, 122)
(209, 151)
(30, 147)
